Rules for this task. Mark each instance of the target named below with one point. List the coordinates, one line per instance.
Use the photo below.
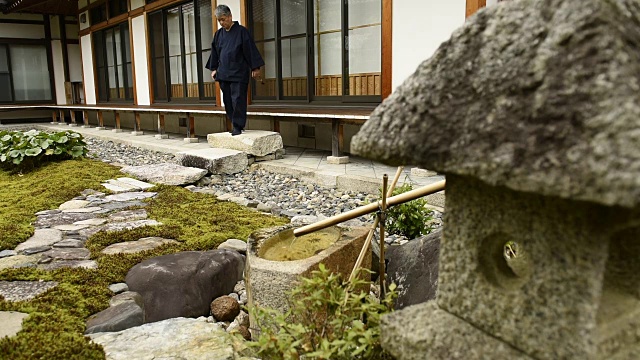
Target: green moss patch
(55, 327)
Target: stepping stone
(125, 185)
(167, 173)
(116, 189)
(11, 323)
(253, 142)
(179, 338)
(128, 215)
(48, 212)
(70, 227)
(130, 196)
(7, 253)
(54, 265)
(216, 161)
(130, 247)
(69, 243)
(61, 218)
(35, 250)
(129, 225)
(140, 184)
(19, 261)
(83, 210)
(24, 290)
(73, 204)
(91, 222)
(41, 237)
(68, 254)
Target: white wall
(75, 62)
(87, 69)
(140, 60)
(58, 71)
(22, 31)
(419, 27)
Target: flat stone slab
(7, 253)
(68, 254)
(70, 227)
(117, 189)
(116, 318)
(128, 215)
(24, 290)
(91, 222)
(41, 237)
(178, 338)
(11, 323)
(85, 264)
(253, 142)
(83, 210)
(129, 247)
(216, 161)
(19, 261)
(234, 244)
(130, 196)
(140, 184)
(73, 204)
(69, 243)
(167, 173)
(61, 218)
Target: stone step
(216, 161)
(252, 142)
(133, 182)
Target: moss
(55, 327)
(44, 188)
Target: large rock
(216, 161)
(184, 284)
(253, 142)
(536, 95)
(168, 174)
(116, 318)
(187, 339)
(413, 267)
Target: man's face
(225, 21)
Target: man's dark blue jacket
(234, 54)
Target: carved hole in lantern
(504, 261)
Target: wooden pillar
(191, 128)
(474, 5)
(62, 121)
(276, 125)
(85, 118)
(335, 138)
(54, 117)
(73, 117)
(161, 130)
(340, 137)
(136, 123)
(100, 120)
(117, 120)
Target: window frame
(201, 98)
(124, 40)
(311, 99)
(8, 43)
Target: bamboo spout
(366, 209)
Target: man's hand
(255, 73)
(213, 74)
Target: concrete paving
(309, 164)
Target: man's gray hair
(222, 10)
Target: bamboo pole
(383, 216)
(367, 242)
(366, 209)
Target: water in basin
(286, 247)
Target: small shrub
(26, 150)
(410, 219)
(320, 325)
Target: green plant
(25, 150)
(410, 219)
(320, 325)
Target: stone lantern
(532, 110)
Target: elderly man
(233, 56)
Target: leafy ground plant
(21, 151)
(410, 219)
(56, 323)
(320, 325)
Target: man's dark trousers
(234, 96)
